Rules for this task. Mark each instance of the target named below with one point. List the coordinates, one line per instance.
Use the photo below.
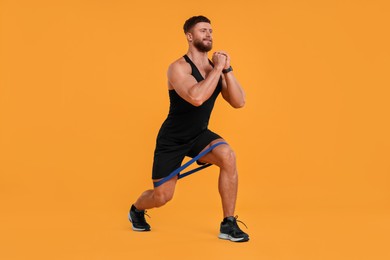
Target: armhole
(189, 61)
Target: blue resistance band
(178, 170)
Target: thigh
(216, 155)
(167, 188)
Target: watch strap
(227, 70)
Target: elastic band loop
(178, 170)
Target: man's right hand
(219, 60)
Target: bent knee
(227, 157)
(162, 198)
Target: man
(194, 82)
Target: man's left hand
(227, 64)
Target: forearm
(202, 91)
(235, 92)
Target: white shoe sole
(233, 239)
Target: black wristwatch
(227, 70)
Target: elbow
(239, 104)
(196, 101)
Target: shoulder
(179, 66)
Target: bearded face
(202, 38)
(203, 45)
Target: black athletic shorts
(169, 155)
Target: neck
(197, 56)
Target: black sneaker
(230, 230)
(137, 219)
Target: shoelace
(236, 217)
(150, 216)
(143, 213)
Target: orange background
(83, 94)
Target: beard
(200, 46)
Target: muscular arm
(232, 91)
(180, 78)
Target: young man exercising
(194, 83)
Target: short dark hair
(191, 22)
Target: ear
(189, 36)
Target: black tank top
(186, 121)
